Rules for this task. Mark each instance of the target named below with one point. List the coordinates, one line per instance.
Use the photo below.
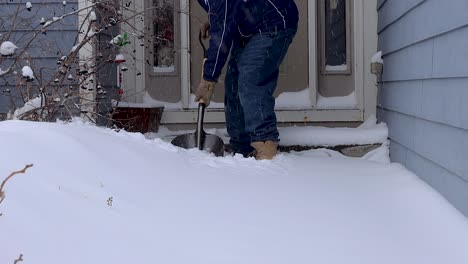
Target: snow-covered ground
(99, 196)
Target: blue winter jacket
(231, 19)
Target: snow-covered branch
(74, 85)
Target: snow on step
(367, 134)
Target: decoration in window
(163, 33)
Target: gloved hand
(205, 30)
(204, 92)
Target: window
(163, 34)
(336, 58)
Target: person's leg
(239, 139)
(258, 67)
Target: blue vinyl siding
(424, 94)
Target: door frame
(187, 115)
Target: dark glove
(205, 30)
(204, 92)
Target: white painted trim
(185, 52)
(140, 80)
(86, 54)
(129, 81)
(312, 37)
(358, 26)
(370, 48)
(302, 116)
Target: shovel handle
(201, 103)
(200, 38)
(200, 131)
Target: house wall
(424, 94)
(59, 40)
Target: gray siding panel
(46, 49)
(448, 184)
(398, 153)
(451, 53)
(424, 94)
(404, 97)
(427, 20)
(380, 3)
(439, 100)
(412, 63)
(400, 126)
(392, 12)
(442, 144)
(444, 56)
(434, 152)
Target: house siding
(423, 96)
(59, 40)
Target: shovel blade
(210, 143)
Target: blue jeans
(250, 82)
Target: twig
(2, 193)
(20, 258)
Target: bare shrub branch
(23, 171)
(19, 259)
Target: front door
(294, 72)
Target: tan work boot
(265, 150)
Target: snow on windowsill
(338, 102)
(164, 69)
(301, 100)
(294, 100)
(336, 68)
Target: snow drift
(99, 196)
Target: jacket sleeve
(222, 27)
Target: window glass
(335, 35)
(163, 32)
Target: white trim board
(185, 52)
(312, 37)
(358, 35)
(86, 54)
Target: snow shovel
(200, 139)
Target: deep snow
(99, 196)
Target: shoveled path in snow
(98, 196)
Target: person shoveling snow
(256, 35)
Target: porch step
(352, 142)
(355, 151)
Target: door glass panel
(163, 34)
(336, 58)
(336, 78)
